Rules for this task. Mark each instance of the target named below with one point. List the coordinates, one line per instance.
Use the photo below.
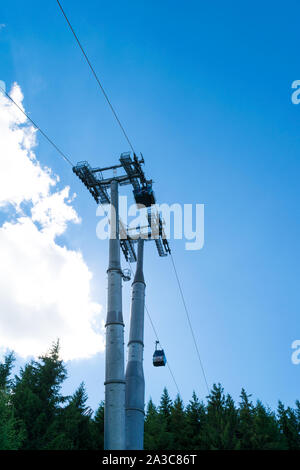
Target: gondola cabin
(144, 196)
(159, 357)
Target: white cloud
(53, 213)
(44, 287)
(21, 177)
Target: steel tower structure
(124, 429)
(135, 382)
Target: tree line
(35, 415)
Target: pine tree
(36, 397)
(297, 413)
(215, 423)
(196, 418)
(165, 406)
(72, 428)
(245, 422)
(97, 428)
(178, 425)
(78, 417)
(266, 431)
(164, 433)
(289, 426)
(11, 431)
(5, 371)
(229, 435)
(152, 427)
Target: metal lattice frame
(98, 186)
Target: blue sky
(204, 92)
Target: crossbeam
(98, 186)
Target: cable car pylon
(134, 377)
(114, 414)
(125, 428)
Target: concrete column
(135, 383)
(114, 413)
